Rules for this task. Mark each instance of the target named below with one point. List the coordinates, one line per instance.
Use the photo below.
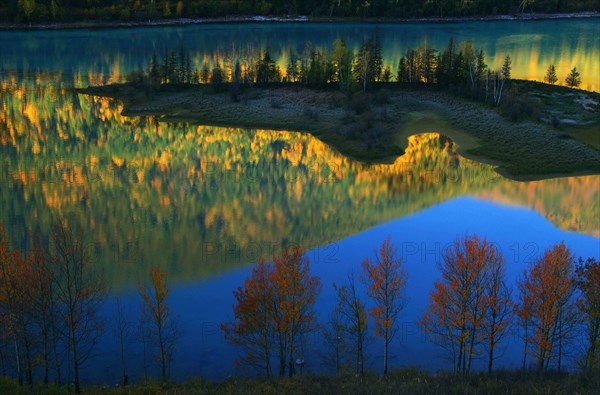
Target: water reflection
(532, 45)
(203, 200)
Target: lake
(205, 202)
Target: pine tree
(551, 77)
(573, 80)
(506, 68)
(376, 57)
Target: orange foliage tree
(498, 306)
(27, 307)
(252, 329)
(470, 305)
(588, 283)
(275, 306)
(385, 280)
(546, 306)
(15, 304)
(156, 317)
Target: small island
(529, 130)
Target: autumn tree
(385, 280)
(573, 80)
(468, 305)
(12, 297)
(274, 309)
(588, 283)
(551, 77)
(546, 301)
(498, 307)
(252, 330)
(354, 321)
(80, 290)
(295, 293)
(523, 314)
(157, 317)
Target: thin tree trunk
(18, 360)
(28, 361)
(75, 363)
(385, 355)
(525, 348)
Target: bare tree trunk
(18, 360)
(525, 348)
(385, 354)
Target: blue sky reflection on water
(522, 235)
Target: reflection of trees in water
(205, 199)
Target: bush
(382, 97)
(360, 102)
(517, 106)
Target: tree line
(472, 309)
(51, 297)
(131, 10)
(458, 68)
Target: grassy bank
(404, 381)
(544, 131)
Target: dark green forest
(39, 11)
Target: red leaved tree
(470, 305)
(275, 306)
(252, 329)
(546, 305)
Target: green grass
(551, 134)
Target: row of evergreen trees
(459, 67)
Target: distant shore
(290, 19)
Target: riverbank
(561, 139)
(287, 19)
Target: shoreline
(285, 19)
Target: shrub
(382, 97)
(360, 102)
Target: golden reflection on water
(530, 60)
(177, 188)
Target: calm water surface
(206, 202)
